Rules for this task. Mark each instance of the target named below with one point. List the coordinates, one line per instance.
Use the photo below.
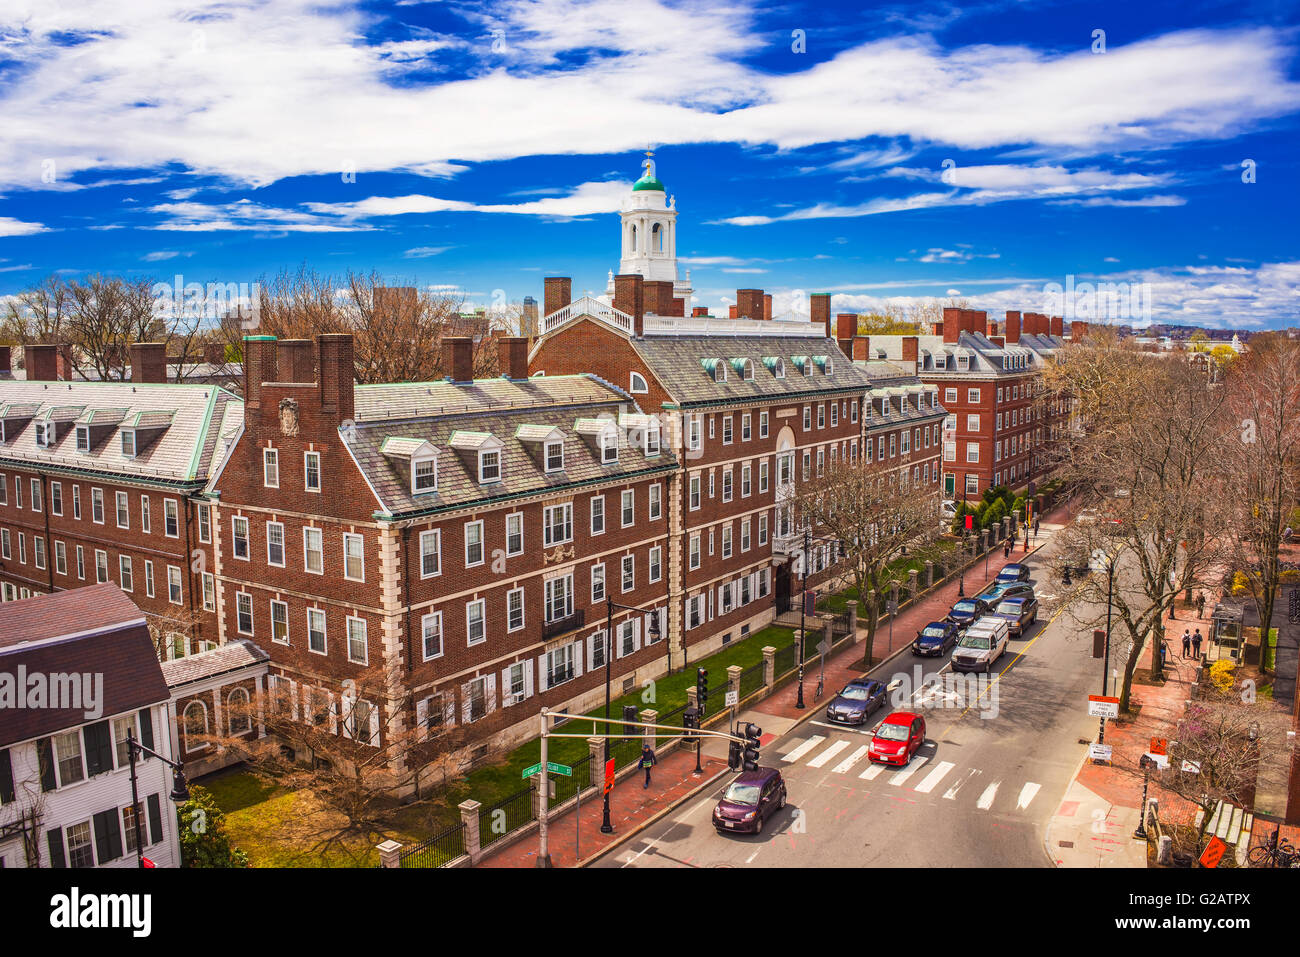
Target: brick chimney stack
(6, 360)
(1012, 326)
(148, 362)
(1078, 329)
(820, 309)
(558, 293)
(659, 297)
(294, 361)
(767, 306)
(629, 297)
(458, 357)
(512, 357)
(749, 303)
(699, 311)
(1058, 327)
(214, 353)
(259, 367)
(337, 374)
(861, 347)
(911, 351)
(952, 323)
(846, 327)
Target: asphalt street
(995, 764)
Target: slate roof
(232, 656)
(987, 358)
(95, 630)
(431, 412)
(182, 452)
(676, 362)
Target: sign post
(1103, 707)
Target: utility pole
(543, 831)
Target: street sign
(824, 647)
(1159, 760)
(1214, 852)
(732, 699)
(1159, 745)
(893, 607)
(1100, 706)
(530, 771)
(1192, 767)
(609, 775)
(1099, 752)
(563, 769)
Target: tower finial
(648, 164)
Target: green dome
(648, 182)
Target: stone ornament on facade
(288, 417)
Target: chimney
(910, 344)
(767, 306)
(1078, 329)
(148, 362)
(214, 353)
(679, 307)
(998, 341)
(952, 324)
(1012, 326)
(337, 374)
(558, 293)
(259, 367)
(749, 303)
(936, 328)
(659, 297)
(991, 328)
(42, 362)
(976, 320)
(512, 353)
(294, 361)
(458, 358)
(1058, 327)
(820, 310)
(629, 297)
(6, 368)
(698, 311)
(861, 347)
(64, 362)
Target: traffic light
(734, 753)
(752, 733)
(701, 690)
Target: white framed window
(274, 544)
(695, 552)
(973, 396)
(313, 550)
(637, 384)
(726, 541)
(597, 514)
(36, 495)
(126, 581)
(726, 485)
(762, 424)
(317, 639)
(821, 415)
(651, 441)
(476, 621)
(205, 523)
(744, 534)
(629, 572)
(656, 502)
(81, 563)
(146, 520)
(515, 533)
(656, 563)
(853, 410)
(835, 413)
(60, 558)
(694, 434)
(354, 557)
(972, 452)
(489, 466)
(762, 529)
(557, 524)
(424, 475)
(473, 543)
(279, 622)
(270, 468)
(554, 456)
(726, 430)
(972, 423)
(171, 518)
(244, 612)
(358, 644)
(629, 506)
(597, 582)
(311, 471)
(695, 492)
(209, 582)
(514, 609)
(174, 594)
(807, 418)
(559, 598)
(430, 553)
(608, 446)
(431, 635)
(96, 504)
(762, 476)
(101, 566)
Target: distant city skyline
(885, 155)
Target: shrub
(202, 826)
(1221, 675)
(1240, 584)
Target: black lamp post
(803, 606)
(1141, 832)
(606, 827)
(180, 791)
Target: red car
(897, 738)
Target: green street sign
(529, 772)
(563, 769)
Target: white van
(983, 643)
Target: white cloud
(424, 252)
(16, 227)
(584, 200)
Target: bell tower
(648, 223)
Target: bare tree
(38, 314)
(105, 315)
(877, 519)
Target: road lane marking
(844, 728)
(951, 793)
(803, 749)
(825, 756)
(852, 759)
(917, 763)
(1027, 794)
(934, 777)
(986, 799)
(750, 859)
(873, 772)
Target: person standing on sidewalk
(1200, 604)
(1035, 527)
(1006, 548)
(1196, 644)
(1187, 643)
(648, 760)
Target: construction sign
(1214, 852)
(1159, 745)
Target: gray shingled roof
(182, 452)
(676, 362)
(221, 660)
(431, 412)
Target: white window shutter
(491, 693)
(636, 635)
(374, 725)
(465, 702)
(544, 676)
(577, 659)
(334, 713)
(449, 710)
(507, 695)
(293, 700)
(421, 718)
(528, 678)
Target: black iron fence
(498, 820)
(438, 851)
(751, 679)
(567, 787)
(786, 658)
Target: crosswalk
(923, 775)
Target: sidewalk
(1094, 825)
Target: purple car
(752, 798)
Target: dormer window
(609, 446)
(128, 443)
(45, 434)
(776, 365)
(424, 475)
(489, 466)
(829, 366)
(83, 438)
(652, 441)
(555, 456)
(744, 368)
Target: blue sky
(907, 151)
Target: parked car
(1015, 572)
(936, 638)
(983, 644)
(752, 798)
(967, 610)
(897, 738)
(858, 699)
(1019, 613)
(1000, 591)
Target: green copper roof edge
(203, 435)
(102, 476)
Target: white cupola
(649, 233)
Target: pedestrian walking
(1196, 644)
(1164, 648)
(1035, 526)
(1006, 548)
(1200, 604)
(648, 760)
(1187, 643)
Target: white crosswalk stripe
(934, 777)
(804, 748)
(873, 772)
(821, 760)
(951, 793)
(1027, 794)
(852, 759)
(901, 777)
(986, 799)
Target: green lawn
(837, 603)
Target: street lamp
(1145, 762)
(605, 826)
(180, 791)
